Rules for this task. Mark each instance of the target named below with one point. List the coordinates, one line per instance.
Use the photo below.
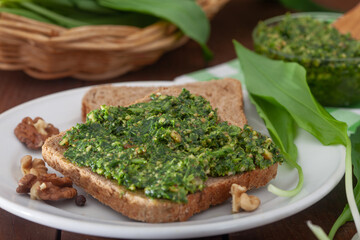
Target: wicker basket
(46, 51)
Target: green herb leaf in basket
(185, 14)
(25, 13)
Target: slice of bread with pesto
(163, 203)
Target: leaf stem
(345, 215)
(289, 193)
(349, 186)
(318, 231)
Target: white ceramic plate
(323, 168)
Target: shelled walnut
(46, 187)
(241, 200)
(34, 166)
(25, 183)
(33, 133)
(40, 184)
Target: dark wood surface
(235, 21)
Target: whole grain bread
(224, 94)
(111, 96)
(134, 204)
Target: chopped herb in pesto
(168, 147)
(331, 59)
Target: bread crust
(223, 94)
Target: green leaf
(128, 19)
(92, 6)
(346, 216)
(280, 125)
(25, 13)
(55, 3)
(185, 14)
(119, 18)
(282, 129)
(286, 84)
(355, 143)
(318, 231)
(279, 122)
(55, 17)
(89, 12)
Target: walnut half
(241, 200)
(46, 187)
(33, 133)
(34, 166)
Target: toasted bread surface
(112, 96)
(222, 94)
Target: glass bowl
(333, 81)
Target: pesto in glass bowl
(331, 59)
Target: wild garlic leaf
(280, 125)
(282, 129)
(92, 6)
(286, 84)
(346, 216)
(53, 16)
(185, 14)
(25, 13)
(355, 143)
(278, 121)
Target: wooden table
(236, 21)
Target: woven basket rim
(47, 51)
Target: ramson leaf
(185, 14)
(280, 84)
(285, 83)
(355, 143)
(280, 125)
(346, 216)
(25, 13)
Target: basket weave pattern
(46, 51)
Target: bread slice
(134, 204)
(224, 94)
(111, 96)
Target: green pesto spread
(167, 147)
(331, 59)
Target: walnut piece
(241, 200)
(26, 183)
(49, 191)
(249, 203)
(34, 166)
(57, 181)
(33, 133)
(47, 187)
